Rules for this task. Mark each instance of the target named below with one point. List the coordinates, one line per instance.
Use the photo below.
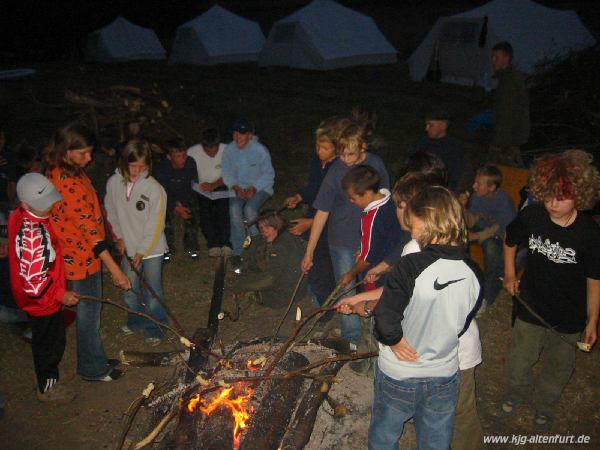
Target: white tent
(326, 35)
(123, 41)
(459, 47)
(217, 36)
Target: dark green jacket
(511, 107)
(272, 269)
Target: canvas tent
(123, 41)
(326, 35)
(217, 36)
(458, 48)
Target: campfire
(237, 406)
(261, 394)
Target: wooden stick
(161, 425)
(292, 337)
(291, 374)
(146, 286)
(130, 415)
(291, 302)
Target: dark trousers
(321, 279)
(190, 228)
(214, 221)
(47, 346)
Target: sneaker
(125, 329)
(236, 263)
(226, 251)
(167, 257)
(193, 254)
(153, 341)
(57, 393)
(509, 404)
(214, 252)
(544, 421)
(113, 374)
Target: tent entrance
(461, 53)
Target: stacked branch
(120, 113)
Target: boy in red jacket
(37, 279)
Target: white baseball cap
(37, 191)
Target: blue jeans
(141, 300)
(343, 261)
(430, 401)
(493, 268)
(240, 209)
(91, 359)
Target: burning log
(300, 429)
(269, 422)
(216, 431)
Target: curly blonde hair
(442, 215)
(567, 175)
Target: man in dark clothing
(511, 109)
(176, 174)
(438, 142)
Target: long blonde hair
(441, 214)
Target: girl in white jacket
(135, 206)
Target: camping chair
(513, 180)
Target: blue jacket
(250, 166)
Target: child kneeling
(271, 265)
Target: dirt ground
(286, 107)
(93, 420)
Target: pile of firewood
(120, 113)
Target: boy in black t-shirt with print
(561, 282)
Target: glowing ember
(238, 407)
(250, 366)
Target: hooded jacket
(430, 298)
(137, 215)
(37, 269)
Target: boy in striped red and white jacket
(37, 278)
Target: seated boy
(37, 279)
(214, 212)
(490, 210)
(271, 265)
(247, 171)
(176, 174)
(440, 144)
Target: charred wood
(270, 420)
(300, 429)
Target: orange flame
(238, 407)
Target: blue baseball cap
(242, 126)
